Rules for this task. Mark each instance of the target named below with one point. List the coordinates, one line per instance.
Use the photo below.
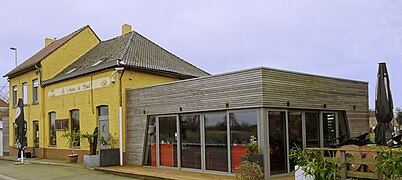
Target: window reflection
(277, 142)
(312, 129)
(190, 141)
(150, 148)
(243, 125)
(168, 141)
(216, 152)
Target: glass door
(190, 141)
(167, 141)
(216, 141)
(277, 142)
(312, 120)
(295, 133)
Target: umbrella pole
(22, 156)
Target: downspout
(42, 107)
(121, 70)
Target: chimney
(126, 28)
(49, 41)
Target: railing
(363, 166)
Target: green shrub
(248, 171)
(314, 163)
(390, 163)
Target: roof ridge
(169, 52)
(27, 64)
(130, 39)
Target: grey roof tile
(137, 52)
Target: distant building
(3, 128)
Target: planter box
(92, 160)
(301, 175)
(237, 152)
(257, 158)
(109, 157)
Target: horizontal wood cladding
(308, 91)
(312, 91)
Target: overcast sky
(342, 38)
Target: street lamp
(15, 50)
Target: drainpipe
(42, 105)
(120, 70)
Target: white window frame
(25, 93)
(35, 85)
(15, 96)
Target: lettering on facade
(85, 86)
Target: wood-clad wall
(312, 92)
(259, 87)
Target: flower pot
(73, 158)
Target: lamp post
(15, 50)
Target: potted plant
(73, 138)
(314, 165)
(252, 150)
(92, 160)
(110, 155)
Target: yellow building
(78, 82)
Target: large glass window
(168, 141)
(277, 142)
(75, 124)
(329, 128)
(295, 132)
(243, 127)
(190, 141)
(52, 128)
(150, 147)
(25, 92)
(15, 96)
(312, 129)
(35, 91)
(216, 145)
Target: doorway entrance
(103, 124)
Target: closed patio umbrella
(383, 106)
(20, 127)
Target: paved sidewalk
(140, 172)
(146, 172)
(42, 161)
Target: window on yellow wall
(15, 96)
(35, 91)
(75, 123)
(25, 92)
(52, 128)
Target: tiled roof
(137, 52)
(3, 103)
(42, 54)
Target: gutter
(81, 72)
